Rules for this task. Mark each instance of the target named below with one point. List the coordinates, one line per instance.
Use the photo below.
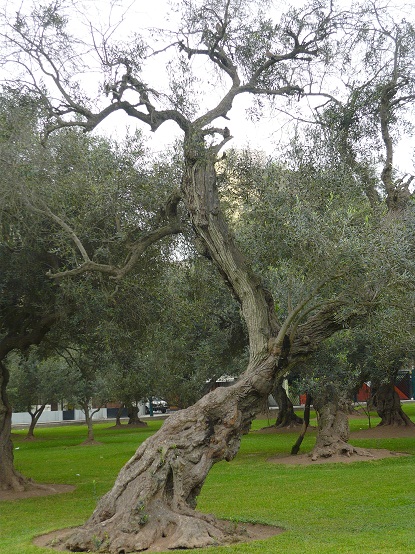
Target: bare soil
(36, 491)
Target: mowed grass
(325, 509)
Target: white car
(158, 405)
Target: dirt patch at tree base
(35, 491)
(305, 459)
(384, 432)
(252, 531)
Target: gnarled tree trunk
(333, 426)
(155, 493)
(133, 417)
(154, 497)
(388, 406)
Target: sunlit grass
(325, 509)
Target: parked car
(158, 405)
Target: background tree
(28, 300)
(36, 382)
(34, 241)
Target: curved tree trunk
(89, 423)
(34, 418)
(118, 416)
(388, 406)
(333, 427)
(286, 415)
(306, 422)
(154, 496)
(10, 478)
(155, 493)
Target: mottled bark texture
(333, 426)
(388, 406)
(155, 493)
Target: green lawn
(325, 509)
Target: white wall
(23, 418)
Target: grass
(325, 509)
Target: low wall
(23, 418)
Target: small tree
(36, 382)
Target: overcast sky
(263, 134)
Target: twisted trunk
(333, 426)
(154, 497)
(388, 406)
(155, 494)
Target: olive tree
(243, 52)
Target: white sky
(263, 134)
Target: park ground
(334, 508)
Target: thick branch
(173, 226)
(317, 328)
(34, 335)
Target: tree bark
(388, 406)
(333, 427)
(306, 422)
(286, 415)
(118, 416)
(155, 493)
(133, 417)
(10, 478)
(89, 423)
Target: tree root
(163, 526)
(339, 448)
